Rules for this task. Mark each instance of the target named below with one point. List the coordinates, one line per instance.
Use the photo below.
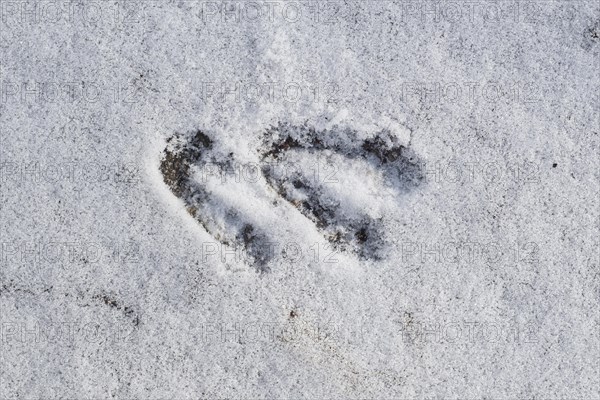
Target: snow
(477, 279)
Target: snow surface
(489, 284)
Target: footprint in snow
(328, 176)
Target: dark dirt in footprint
(400, 167)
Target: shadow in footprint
(344, 228)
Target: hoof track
(344, 227)
(348, 227)
(183, 157)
